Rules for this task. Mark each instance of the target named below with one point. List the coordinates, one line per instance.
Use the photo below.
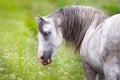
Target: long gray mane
(76, 20)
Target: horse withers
(95, 35)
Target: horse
(94, 35)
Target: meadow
(18, 40)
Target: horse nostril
(42, 57)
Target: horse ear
(40, 19)
(41, 22)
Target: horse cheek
(40, 51)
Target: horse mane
(75, 22)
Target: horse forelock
(75, 22)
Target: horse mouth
(46, 58)
(46, 62)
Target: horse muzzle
(45, 58)
(46, 62)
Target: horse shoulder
(112, 35)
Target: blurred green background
(18, 40)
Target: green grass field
(18, 40)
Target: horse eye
(46, 33)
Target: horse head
(49, 39)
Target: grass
(18, 46)
(18, 41)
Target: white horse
(91, 32)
